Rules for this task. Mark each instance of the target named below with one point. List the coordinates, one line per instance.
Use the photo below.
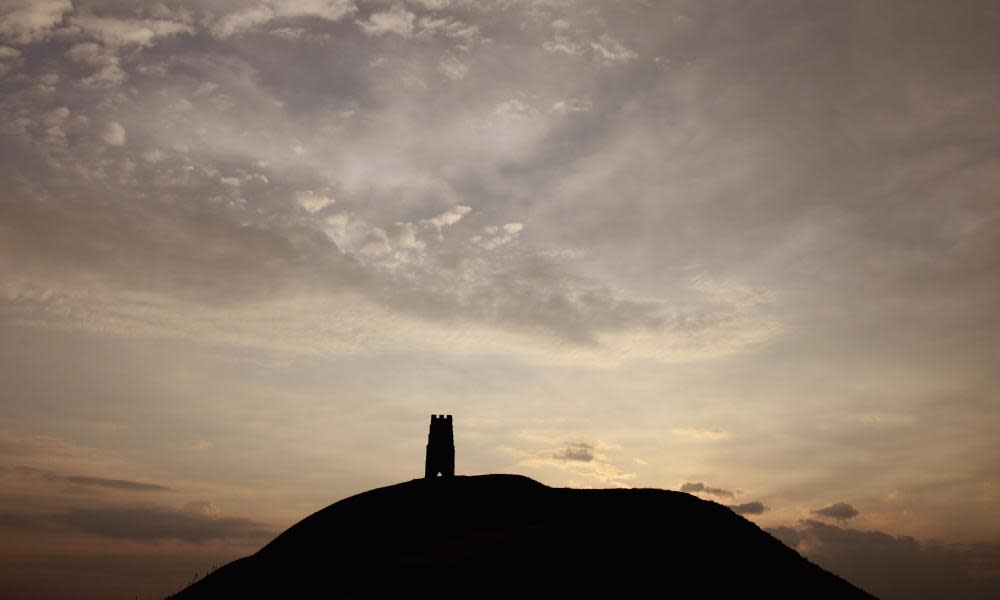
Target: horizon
(749, 251)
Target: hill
(495, 536)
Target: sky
(749, 250)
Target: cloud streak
(581, 457)
(748, 508)
(700, 488)
(898, 567)
(89, 481)
(840, 511)
(144, 523)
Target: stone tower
(440, 448)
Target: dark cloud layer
(160, 523)
(88, 481)
(146, 523)
(841, 511)
(576, 451)
(748, 508)
(187, 185)
(899, 567)
(700, 488)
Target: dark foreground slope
(508, 536)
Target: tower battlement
(440, 448)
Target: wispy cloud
(840, 511)
(748, 508)
(700, 434)
(141, 523)
(90, 481)
(891, 566)
(701, 488)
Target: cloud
(242, 20)
(748, 508)
(578, 451)
(261, 13)
(677, 211)
(542, 300)
(398, 20)
(449, 217)
(452, 68)
(87, 53)
(89, 481)
(27, 21)
(408, 266)
(605, 49)
(109, 72)
(610, 51)
(581, 457)
(515, 108)
(115, 32)
(436, 4)
(156, 523)
(898, 567)
(563, 44)
(376, 243)
(197, 522)
(700, 433)
(572, 105)
(113, 134)
(467, 35)
(841, 511)
(9, 58)
(701, 488)
(395, 19)
(405, 236)
(313, 202)
(788, 535)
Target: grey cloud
(841, 511)
(788, 535)
(26, 21)
(395, 19)
(200, 250)
(88, 481)
(116, 32)
(537, 292)
(145, 523)
(700, 487)
(220, 250)
(261, 13)
(899, 567)
(580, 457)
(576, 451)
(748, 508)
(818, 186)
(159, 523)
(268, 98)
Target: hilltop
(494, 536)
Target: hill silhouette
(494, 536)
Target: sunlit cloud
(700, 434)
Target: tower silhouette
(440, 448)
